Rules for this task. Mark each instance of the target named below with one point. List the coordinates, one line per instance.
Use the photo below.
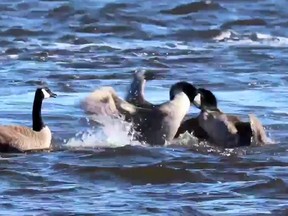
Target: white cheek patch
(45, 93)
(197, 100)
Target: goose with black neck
(16, 138)
(155, 125)
(135, 96)
(227, 131)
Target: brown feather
(259, 134)
(105, 101)
(24, 138)
(221, 131)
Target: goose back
(23, 139)
(230, 132)
(221, 131)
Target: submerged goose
(226, 130)
(21, 138)
(155, 125)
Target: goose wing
(218, 127)
(192, 126)
(233, 119)
(135, 94)
(105, 101)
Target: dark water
(238, 49)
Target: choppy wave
(238, 49)
(245, 22)
(251, 39)
(193, 7)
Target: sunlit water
(238, 49)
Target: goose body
(160, 124)
(226, 130)
(21, 138)
(192, 124)
(155, 125)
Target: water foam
(254, 38)
(188, 140)
(113, 133)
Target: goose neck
(36, 114)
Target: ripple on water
(237, 49)
(193, 7)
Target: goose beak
(53, 95)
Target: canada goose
(135, 96)
(21, 138)
(226, 130)
(192, 124)
(154, 125)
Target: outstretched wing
(105, 101)
(135, 94)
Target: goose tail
(259, 135)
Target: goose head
(40, 94)
(205, 100)
(185, 87)
(44, 93)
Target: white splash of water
(185, 139)
(13, 56)
(254, 38)
(113, 133)
(190, 141)
(224, 35)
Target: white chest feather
(176, 111)
(41, 139)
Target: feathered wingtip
(100, 102)
(135, 93)
(104, 101)
(259, 136)
(139, 75)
